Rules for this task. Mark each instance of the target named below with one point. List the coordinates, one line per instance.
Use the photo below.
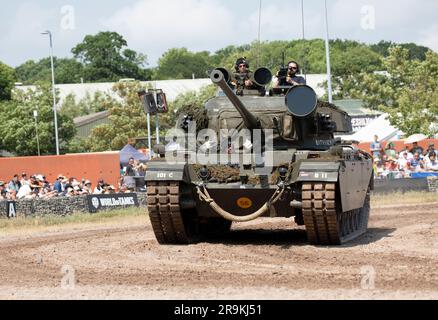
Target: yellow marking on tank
(244, 203)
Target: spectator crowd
(37, 186)
(391, 163)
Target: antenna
(304, 44)
(260, 23)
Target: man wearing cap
(87, 189)
(58, 184)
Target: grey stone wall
(59, 206)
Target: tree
(407, 91)
(182, 64)
(105, 58)
(416, 52)
(87, 105)
(17, 126)
(127, 117)
(7, 79)
(66, 71)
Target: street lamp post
(53, 91)
(35, 115)
(327, 53)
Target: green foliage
(407, 91)
(191, 103)
(105, 58)
(415, 52)
(7, 79)
(127, 118)
(87, 105)
(182, 64)
(17, 123)
(66, 71)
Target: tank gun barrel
(250, 121)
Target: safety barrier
(67, 205)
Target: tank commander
(242, 77)
(290, 77)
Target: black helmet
(240, 61)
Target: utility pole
(35, 115)
(53, 91)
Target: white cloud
(399, 21)
(152, 27)
(429, 37)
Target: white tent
(380, 127)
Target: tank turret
(218, 78)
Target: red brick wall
(92, 166)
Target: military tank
(301, 171)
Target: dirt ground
(263, 259)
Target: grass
(411, 197)
(139, 216)
(50, 221)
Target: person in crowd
(109, 189)
(404, 162)
(3, 191)
(99, 189)
(408, 153)
(69, 192)
(376, 148)
(431, 149)
(390, 150)
(416, 164)
(24, 179)
(87, 189)
(431, 164)
(58, 186)
(416, 148)
(14, 184)
(377, 168)
(390, 164)
(130, 168)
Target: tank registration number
(244, 203)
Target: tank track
(164, 212)
(324, 221)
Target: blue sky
(153, 26)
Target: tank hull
(331, 198)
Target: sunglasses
(293, 68)
(242, 65)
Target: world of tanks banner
(98, 202)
